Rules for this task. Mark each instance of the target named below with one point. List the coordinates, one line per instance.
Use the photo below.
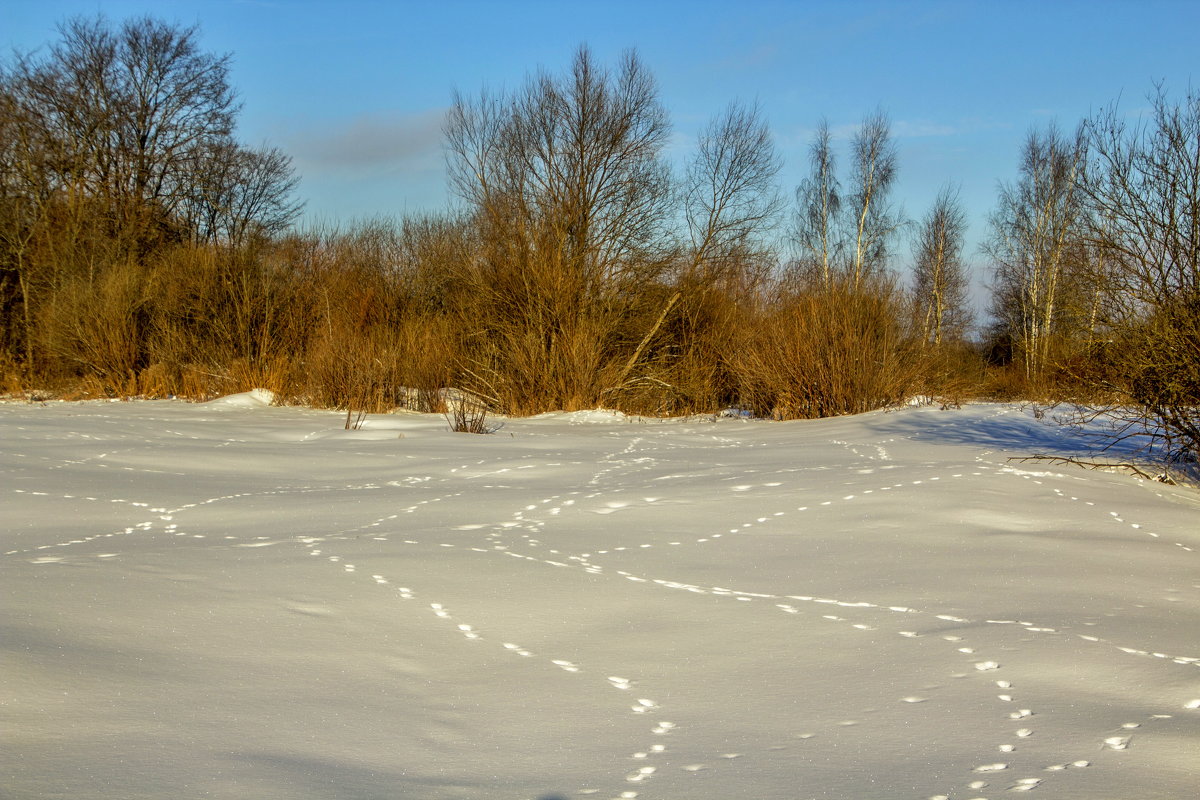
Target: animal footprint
(642, 774)
(991, 767)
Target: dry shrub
(381, 317)
(97, 328)
(687, 365)
(949, 373)
(1156, 365)
(12, 377)
(275, 373)
(228, 313)
(380, 368)
(537, 337)
(1004, 384)
(199, 383)
(468, 413)
(825, 352)
(691, 383)
(527, 369)
(88, 387)
(428, 350)
(350, 371)
(157, 380)
(369, 345)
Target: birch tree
(873, 221)
(939, 274)
(1035, 226)
(818, 210)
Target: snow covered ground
(234, 600)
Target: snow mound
(596, 416)
(255, 398)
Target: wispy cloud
(377, 141)
(901, 129)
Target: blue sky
(354, 91)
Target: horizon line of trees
(144, 250)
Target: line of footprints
(645, 758)
(1117, 742)
(986, 773)
(645, 705)
(641, 705)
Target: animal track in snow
(529, 536)
(468, 631)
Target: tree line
(145, 250)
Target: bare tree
(137, 118)
(171, 98)
(939, 275)
(66, 99)
(818, 209)
(730, 200)
(571, 164)
(730, 192)
(129, 107)
(571, 195)
(41, 198)
(1144, 185)
(1142, 189)
(873, 173)
(234, 193)
(1035, 228)
(111, 141)
(22, 206)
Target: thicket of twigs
(387, 316)
(143, 251)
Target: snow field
(232, 600)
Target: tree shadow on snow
(1018, 432)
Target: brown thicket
(829, 350)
